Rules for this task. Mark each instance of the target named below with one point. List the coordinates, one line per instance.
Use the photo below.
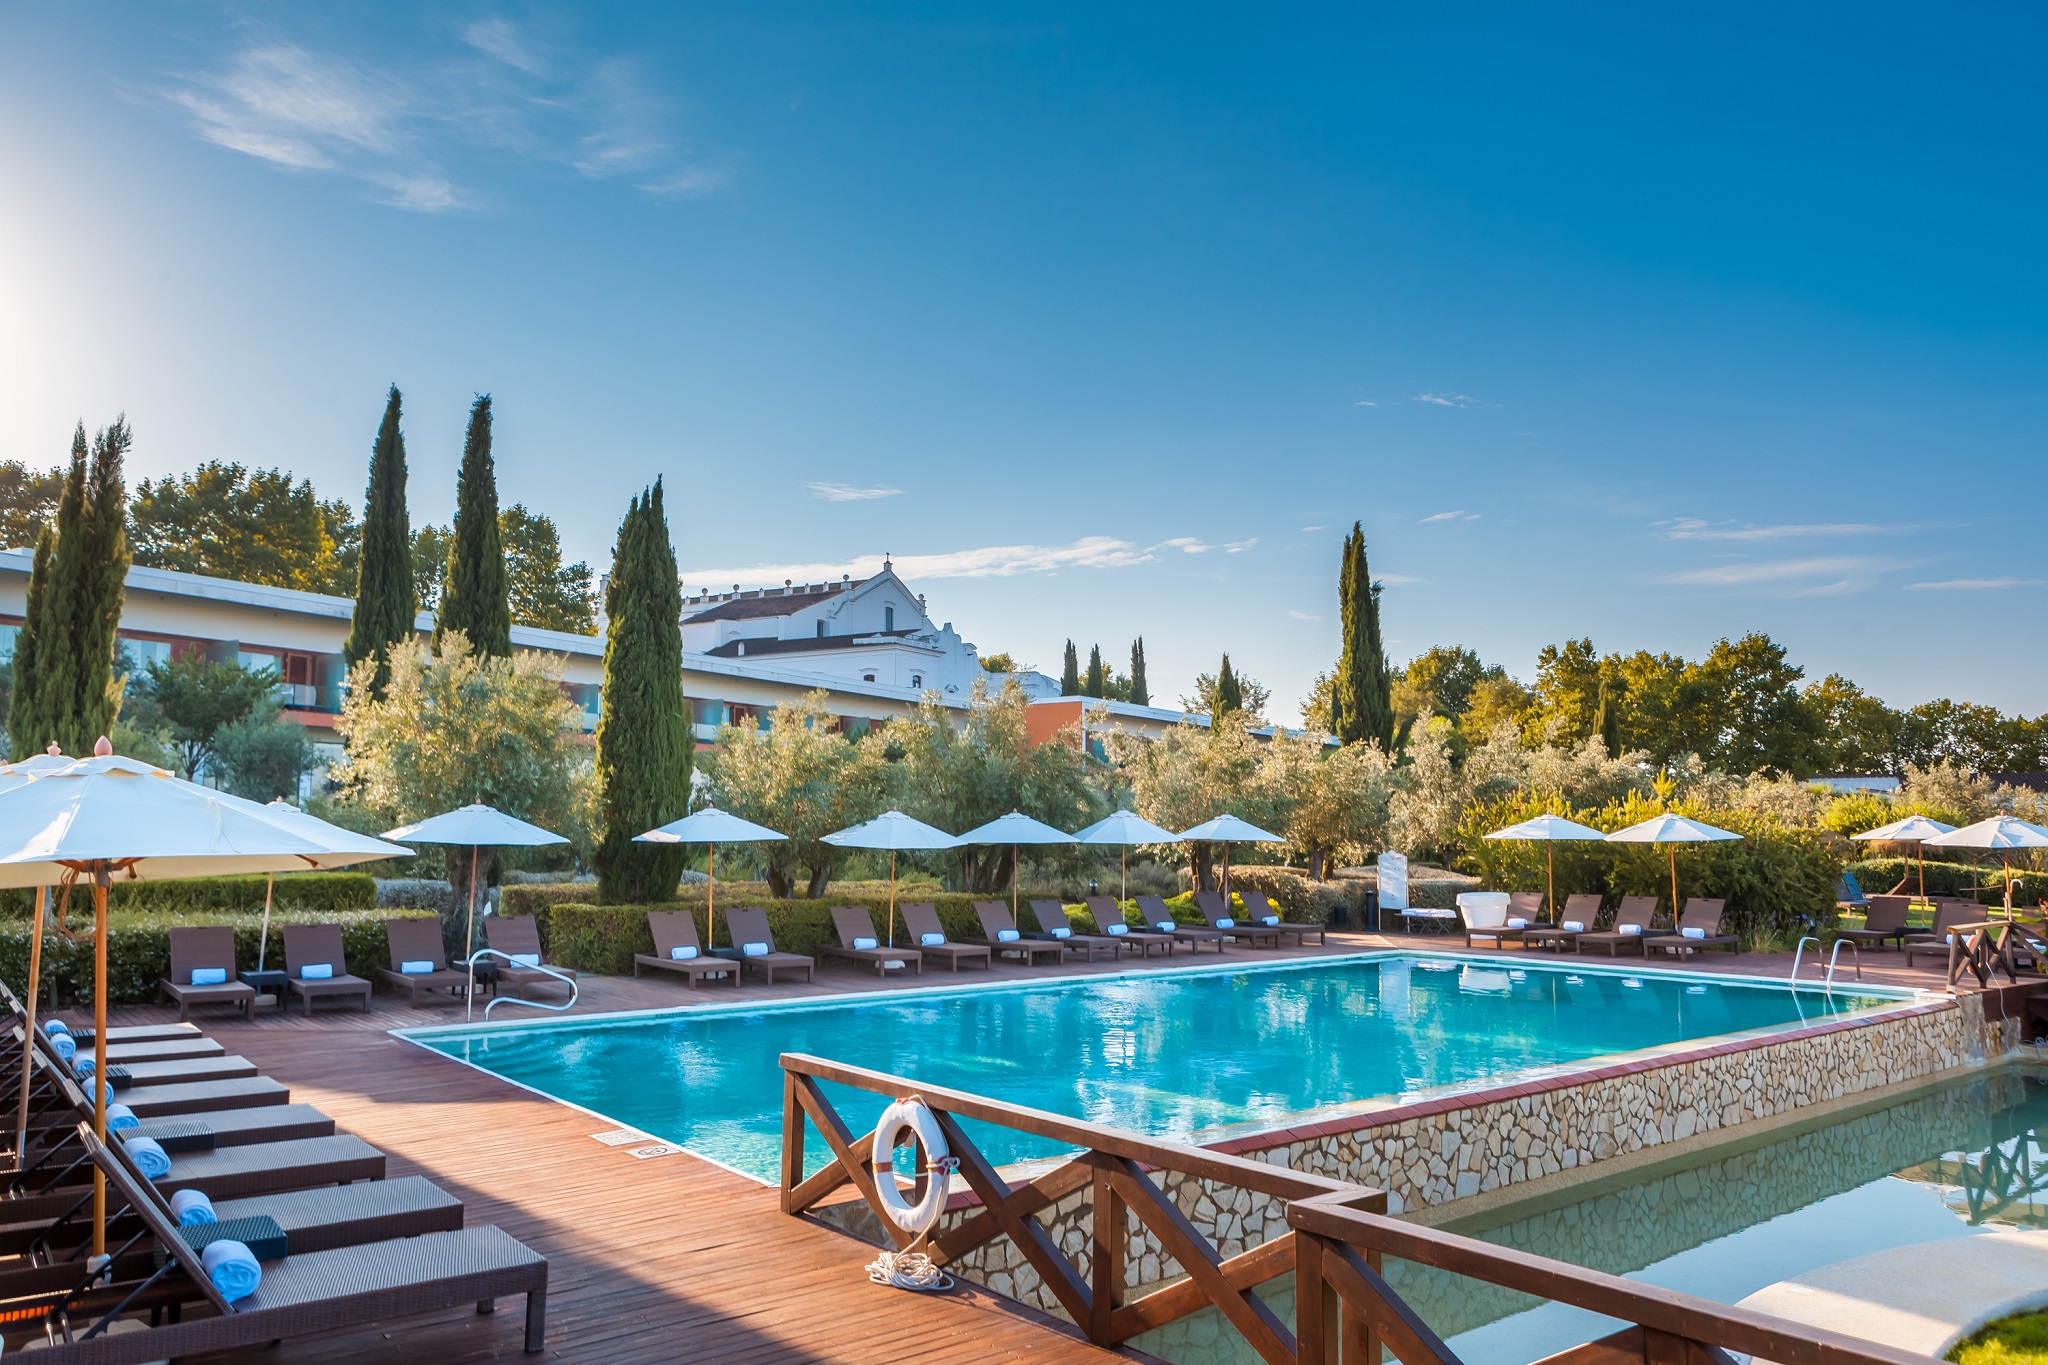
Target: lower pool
(1183, 1054)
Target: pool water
(1184, 1054)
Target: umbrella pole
(1921, 845)
(711, 898)
(1550, 865)
(1672, 849)
(469, 943)
(99, 1057)
(1123, 861)
(263, 943)
(1013, 883)
(35, 977)
(892, 898)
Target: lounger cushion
(682, 953)
(931, 940)
(754, 949)
(415, 969)
(317, 971)
(865, 944)
(1007, 936)
(209, 976)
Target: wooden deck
(671, 1259)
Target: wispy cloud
(1449, 400)
(1192, 545)
(846, 492)
(1367, 403)
(1814, 576)
(1444, 516)
(394, 128)
(1303, 615)
(1311, 530)
(1977, 584)
(993, 561)
(1692, 528)
(1238, 547)
(1397, 580)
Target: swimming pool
(1184, 1054)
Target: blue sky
(1644, 324)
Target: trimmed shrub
(139, 948)
(1298, 895)
(534, 900)
(310, 891)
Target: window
(888, 618)
(867, 677)
(821, 630)
(917, 680)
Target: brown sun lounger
(1635, 910)
(1884, 921)
(236, 1127)
(677, 950)
(1259, 908)
(1703, 915)
(1934, 941)
(166, 1101)
(319, 945)
(161, 1050)
(299, 1295)
(858, 942)
(1225, 921)
(1106, 914)
(418, 941)
(1000, 932)
(518, 937)
(754, 945)
(185, 1072)
(1582, 909)
(199, 948)
(1155, 913)
(921, 918)
(138, 1033)
(1054, 925)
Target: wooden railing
(1335, 1239)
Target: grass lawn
(2018, 1340)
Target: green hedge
(318, 892)
(139, 948)
(1878, 875)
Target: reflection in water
(1723, 1225)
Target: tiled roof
(803, 644)
(769, 603)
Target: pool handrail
(1800, 951)
(543, 969)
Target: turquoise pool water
(1170, 1054)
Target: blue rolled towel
(191, 1208)
(84, 1065)
(233, 1268)
(54, 1027)
(149, 1157)
(120, 1118)
(64, 1045)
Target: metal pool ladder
(498, 1000)
(1855, 949)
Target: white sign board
(1393, 881)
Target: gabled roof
(768, 644)
(781, 604)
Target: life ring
(914, 1117)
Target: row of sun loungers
(1699, 926)
(236, 1218)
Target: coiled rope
(910, 1268)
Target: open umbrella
(1915, 830)
(1671, 830)
(13, 775)
(476, 826)
(343, 848)
(106, 817)
(1550, 829)
(895, 831)
(1014, 829)
(1227, 830)
(1123, 829)
(709, 827)
(2002, 832)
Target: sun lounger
(1884, 921)
(1704, 916)
(1106, 913)
(161, 1050)
(1054, 925)
(301, 1294)
(1934, 941)
(235, 1127)
(518, 936)
(1636, 911)
(1582, 910)
(204, 948)
(858, 942)
(311, 947)
(754, 945)
(167, 1101)
(921, 918)
(417, 942)
(677, 950)
(1259, 908)
(1154, 912)
(1225, 920)
(184, 1072)
(1000, 933)
(137, 1033)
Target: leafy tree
(1254, 696)
(1756, 719)
(1978, 737)
(263, 755)
(1093, 685)
(799, 776)
(1338, 801)
(544, 592)
(1140, 690)
(385, 608)
(1361, 698)
(1567, 692)
(28, 502)
(1315, 710)
(428, 556)
(64, 686)
(1193, 773)
(473, 589)
(1608, 724)
(645, 742)
(1228, 696)
(1860, 733)
(1660, 703)
(1070, 674)
(254, 526)
(1002, 663)
(1496, 700)
(193, 697)
(450, 728)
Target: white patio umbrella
(2001, 832)
(477, 826)
(1227, 830)
(1915, 830)
(13, 775)
(1124, 828)
(1014, 829)
(106, 817)
(709, 827)
(1550, 829)
(344, 848)
(1671, 830)
(895, 831)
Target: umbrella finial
(53, 751)
(101, 747)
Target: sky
(1649, 324)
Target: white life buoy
(913, 1117)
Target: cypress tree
(385, 605)
(27, 724)
(475, 598)
(1361, 693)
(1607, 722)
(1140, 694)
(1229, 693)
(1093, 687)
(1070, 674)
(645, 742)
